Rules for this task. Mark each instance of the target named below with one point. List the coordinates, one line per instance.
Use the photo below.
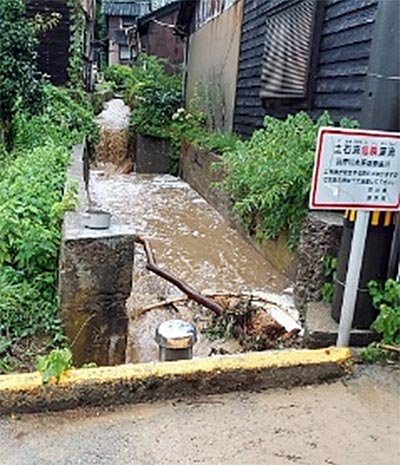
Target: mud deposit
(189, 239)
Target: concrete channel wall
(198, 169)
(320, 235)
(95, 281)
(151, 154)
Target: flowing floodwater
(189, 239)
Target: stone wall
(320, 236)
(95, 282)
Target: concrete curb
(153, 381)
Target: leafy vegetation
(119, 76)
(77, 20)
(386, 299)
(269, 176)
(152, 94)
(154, 97)
(55, 364)
(32, 202)
(330, 267)
(190, 126)
(67, 115)
(20, 83)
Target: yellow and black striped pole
(377, 218)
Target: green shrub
(19, 79)
(32, 184)
(218, 142)
(67, 117)
(154, 97)
(30, 238)
(32, 203)
(386, 299)
(269, 176)
(190, 126)
(120, 76)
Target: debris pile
(252, 321)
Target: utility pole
(380, 111)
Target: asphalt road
(353, 421)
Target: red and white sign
(356, 169)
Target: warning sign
(357, 169)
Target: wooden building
(121, 20)
(336, 38)
(311, 55)
(54, 46)
(158, 37)
(53, 49)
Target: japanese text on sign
(356, 169)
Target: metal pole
(353, 278)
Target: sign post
(353, 278)
(355, 169)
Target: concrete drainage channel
(111, 318)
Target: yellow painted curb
(132, 378)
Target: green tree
(20, 82)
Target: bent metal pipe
(185, 288)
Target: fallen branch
(163, 303)
(177, 300)
(185, 288)
(389, 347)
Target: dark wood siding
(341, 69)
(344, 57)
(53, 49)
(248, 109)
(160, 41)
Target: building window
(289, 37)
(128, 21)
(125, 53)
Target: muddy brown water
(191, 240)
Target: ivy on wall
(77, 27)
(20, 82)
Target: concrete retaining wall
(320, 235)
(151, 154)
(197, 170)
(95, 281)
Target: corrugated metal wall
(342, 61)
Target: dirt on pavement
(353, 421)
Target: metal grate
(288, 41)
